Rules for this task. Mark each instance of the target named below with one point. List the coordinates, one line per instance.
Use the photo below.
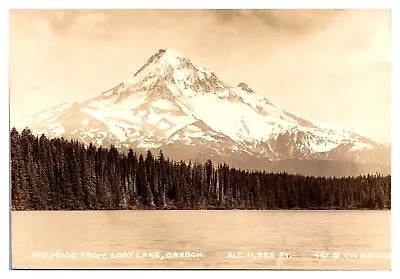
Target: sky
(328, 65)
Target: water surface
(211, 239)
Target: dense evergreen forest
(60, 174)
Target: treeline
(60, 174)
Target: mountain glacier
(187, 111)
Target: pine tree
(162, 178)
(19, 187)
(59, 174)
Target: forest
(61, 174)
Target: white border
(382, 4)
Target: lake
(279, 239)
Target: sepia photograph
(230, 139)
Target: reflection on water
(202, 239)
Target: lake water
(202, 239)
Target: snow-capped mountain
(175, 105)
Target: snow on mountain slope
(170, 100)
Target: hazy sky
(328, 65)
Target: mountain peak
(170, 54)
(162, 59)
(173, 70)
